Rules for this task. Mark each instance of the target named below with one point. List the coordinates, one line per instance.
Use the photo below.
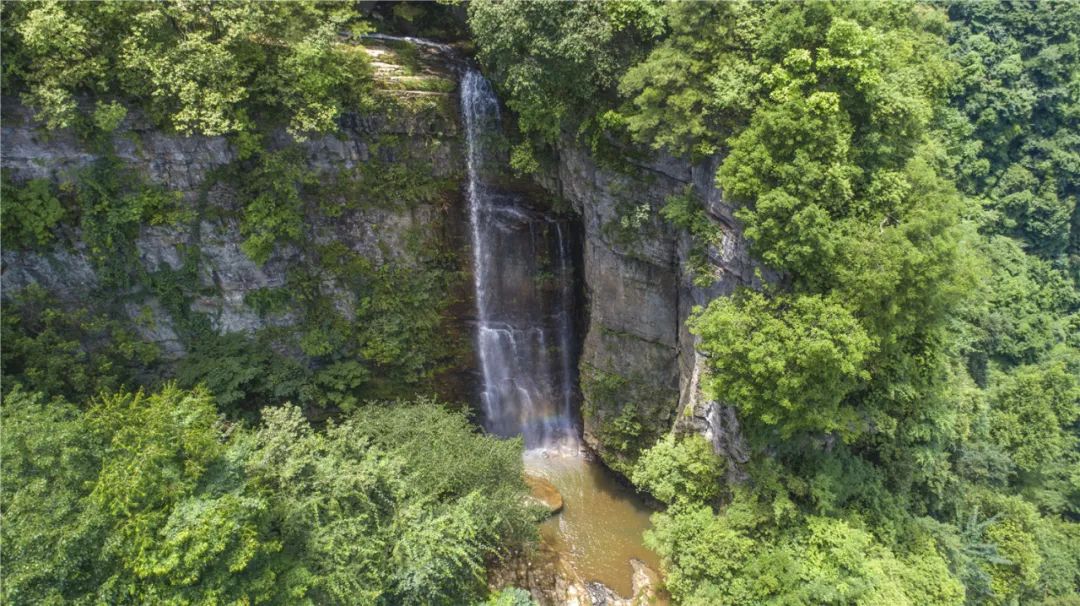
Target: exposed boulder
(552, 582)
(544, 493)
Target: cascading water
(525, 339)
(524, 335)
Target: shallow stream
(602, 521)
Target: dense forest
(911, 385)
(907, 374)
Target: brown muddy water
(602, 521)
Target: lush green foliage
(114, 202)
(184, 496)
(839, 188)
(699, 83)
(687, 212)
(29, 212)
(151, 498)
(679, 471)
(734, 559)
(789, 361)
(908, 384)
(243, 373)
(555, 58)
(1017, 90)
(207, 67)
(392, 342)
(273, 211)
(69, 353)
(511, 597)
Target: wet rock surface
(544, 493)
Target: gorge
(518, 303)
(528, 294)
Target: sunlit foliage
(152, 498)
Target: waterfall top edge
(439, 46)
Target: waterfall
(524, 333)
(526, 345)
(568, 377)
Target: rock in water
(545, 493)
(646, 585)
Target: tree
(51, 531)
(30, 211)
(699, 85)
(205, 67)
(151, 497)
(787, 361)
(369, 513)
(680, 471)
(553, 60)
(1035, 410)
(1018, 63)
(182, 526)
(733, 558)
(69, 353)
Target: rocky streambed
(591, 550)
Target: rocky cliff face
(416, 127)
(639, 367)
(639, 371)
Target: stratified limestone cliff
(369, 175)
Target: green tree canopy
(206, 67)
(151, 497)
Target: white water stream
(526, 301)
(524, 335)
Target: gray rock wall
(429, 137)
(639, 367)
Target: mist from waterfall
(523, 278)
